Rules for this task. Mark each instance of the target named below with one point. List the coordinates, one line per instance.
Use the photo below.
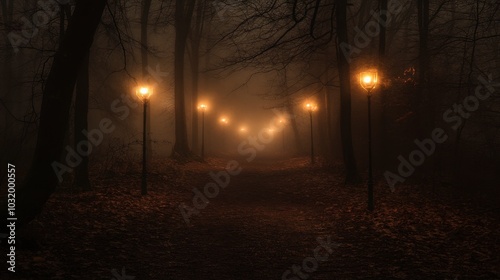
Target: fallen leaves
(266, 219)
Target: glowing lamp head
(224, 121)
(203, 107)
(368, 79)
(243, 129)
(311, 107)
(144, 93)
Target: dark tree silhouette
(41, 180)
(7, 8)
(195, 42)
(423, 96)
(183, 15)
(382, 68)
(345, 94)
(81, 123)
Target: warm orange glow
(144, 93)
(243, 129)
(368, 79)
(311, 107)
(203, 107)
(224, 120)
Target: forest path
(270, 217)
(264, 221)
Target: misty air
(233, 140)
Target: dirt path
(256, 228)
(275, 215)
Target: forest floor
(275, 215)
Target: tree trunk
(41, 180)
(194, 101)
(384, 143)
(195, 72)
(331, 118)
(423, 105)
(81, 123)
(183, 14)
(345, 95)
(6, 84)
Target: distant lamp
(144, 94)
(224, 121)
(203, 108)
(368, 80)
(282, 122)
(311, 107)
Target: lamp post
(144, 93)
(311, 108)
(368, 81)
(283, 125)
(224, 121)
(202, 108)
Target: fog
(303, 115)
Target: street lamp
(270, 130)
(224, 121)
(282, 122)
(310, 107)
(243, 130)
(202, 108)
(368, 80)
(144, 93)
